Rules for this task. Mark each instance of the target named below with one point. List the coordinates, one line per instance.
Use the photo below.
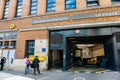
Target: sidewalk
(51, 75)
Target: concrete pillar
(60, 5)
(26, 7)
(41, 7)
(2, 4)
(104, 3)
(80, 4)
(12, 9)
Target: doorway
(56, 59)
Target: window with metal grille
(70, 4)
(33, 7)
(5, 14)
(92, 3)
(19, 8)
(51, 5)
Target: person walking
(36, 65)
(27, 62)
(3, 60)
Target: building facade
(38, 27)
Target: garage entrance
(84, 47)
(90, 51)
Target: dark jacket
(36, 62)
(3, 60)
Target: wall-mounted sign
(12, 26)
(43, 49)
(102, 14)
(63, 18)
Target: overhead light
(73, 41)
(71, 38)
(84, 45)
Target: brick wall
(26, 22)
(26, 7)
(2, 3)
(29, 35)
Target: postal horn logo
(12, 26)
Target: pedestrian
(36, 65)
(27, 62)
(3, 60)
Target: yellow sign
(41, 58)
(31, 57)
(12, 26)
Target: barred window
(33, 8)
(19, 8)
(70, 4)
(5, 14)
(50, 5)
(92, 2)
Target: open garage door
(93, 51)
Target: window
(1, 43)
(13, 35)
(92, 2)
(19, 8)
(13, 44)
(50, 5)
(8, 39)
(114, 1)
(6, 44)
(30, 47)
(5, 14)
(70, 4)
(1, 36)
(7, 36)
(33, 8)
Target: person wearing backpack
(3, 60)
(36, 64)
(27, 62)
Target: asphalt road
(51, 75)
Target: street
(52, 75)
